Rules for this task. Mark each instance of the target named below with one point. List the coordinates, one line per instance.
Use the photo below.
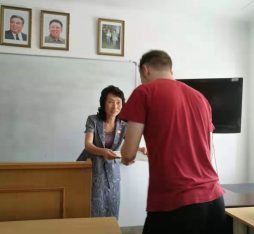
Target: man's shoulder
(62, 40)
(47, 38)
(146, 87)
(8, 32)
(191, 92)
(24, 35)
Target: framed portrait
(16, 26)
(54, 31)
(110, 37)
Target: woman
(103, 135)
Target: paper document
(141, 157)
(118, 154)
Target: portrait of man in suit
(55, 30)
(16, 27)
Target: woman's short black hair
(104, 93)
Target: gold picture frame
(54, 30)
(16, 26)
(110, 39)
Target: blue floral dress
(105, 173)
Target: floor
(132, 230)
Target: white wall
(201, 45)
(251, 108)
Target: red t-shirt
(178, 123)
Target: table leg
(239, 228)
(250, 231)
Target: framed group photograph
(110, 37)
(54, 31)
(16, 26)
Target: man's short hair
(157, 59)
(19, 17)
(55, 21)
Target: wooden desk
(45, 190)
(237, 195)
(105, 225)
(243, 219)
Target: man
(184, 195)
(55, 30)
(15, 31)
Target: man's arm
(131, 143)
(211, 146)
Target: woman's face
(113, 105)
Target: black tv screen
(225, 98)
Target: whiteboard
(44, 103)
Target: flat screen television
(225, 98)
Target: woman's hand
(143, 150)
(109, 154)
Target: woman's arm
(93, 149)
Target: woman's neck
(110, 120)
(109, 124)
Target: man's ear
(145, 69)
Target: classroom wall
(201, 45)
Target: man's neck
(161, 75)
